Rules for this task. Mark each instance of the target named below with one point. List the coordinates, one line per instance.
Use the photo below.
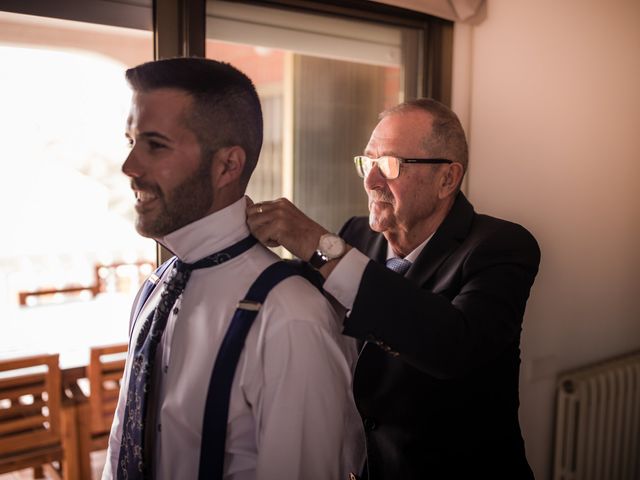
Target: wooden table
(70, 330)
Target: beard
(381, 210)
(186, 203)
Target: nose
(131, 166)
(374, 179)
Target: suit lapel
(377, 248)
(447, 238)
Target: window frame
(434, 79)
(179, 29)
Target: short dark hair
(226, 109)
(447, 139)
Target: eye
(153, 145)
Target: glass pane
(266, 67)
(70, 260)
(336, 107)
(322, 86)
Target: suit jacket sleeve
(464, 316)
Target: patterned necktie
(131, 464)
(398, 265)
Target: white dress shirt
(291, 412)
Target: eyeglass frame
(430, 161)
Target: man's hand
(280, 222)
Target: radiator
(598, 422)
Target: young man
(437, 379)
(195, 131)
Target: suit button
(352, 476)
(369, 423)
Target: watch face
(331, 245)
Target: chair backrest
(30, 396)
(105, 374)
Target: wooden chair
(105, 374)
(30, 406)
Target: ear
(228, 166)
(450, 180)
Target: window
(71, 260)
(322, 81)
(72, 254)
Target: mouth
(379, 201)
(144, 199)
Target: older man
(437, 378)
(194, 403)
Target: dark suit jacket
(437, 381)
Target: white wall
(551, 94)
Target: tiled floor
(97, 463)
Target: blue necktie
(131, 464)
(398, 265)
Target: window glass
(322, 82)
(70, 259)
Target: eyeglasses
(389, 166)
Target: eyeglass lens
(389, 166)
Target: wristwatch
(330, 247)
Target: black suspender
(214, 428)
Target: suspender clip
(249, 305)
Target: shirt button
(166, 368)
(369, 423)
(176, 310)
(159, 427)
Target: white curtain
(455, 10)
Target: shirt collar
(209, 234)
(414, 253)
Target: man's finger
(262, 233)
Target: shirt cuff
(344, 281)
